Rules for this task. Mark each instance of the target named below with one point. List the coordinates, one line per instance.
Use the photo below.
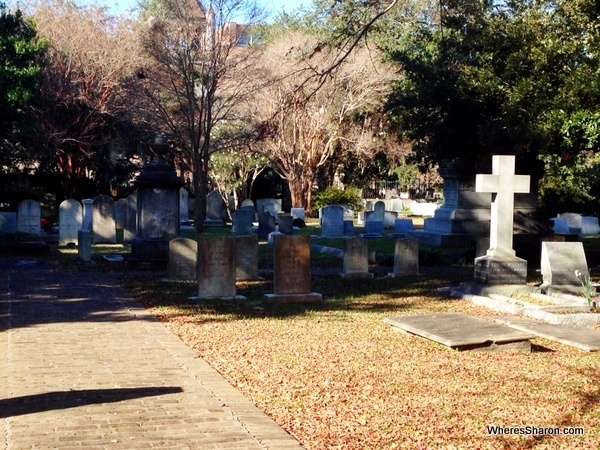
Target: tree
(303, 121)
(200, 70)
(499, 78)
(87, 125)
(21, 65)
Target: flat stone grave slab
(579, 337)
(462, 332)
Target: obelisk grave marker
(500, 265)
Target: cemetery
(354, 225)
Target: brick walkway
(83, 366)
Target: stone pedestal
(157, 208)
(464, 215)
(84, 245)
(500, 270)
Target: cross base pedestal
(500, 270)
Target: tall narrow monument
(500, 265)
(157, 206)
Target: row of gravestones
(573, 223)
(238, 258)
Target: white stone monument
(500, 265)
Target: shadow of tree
(50, 401)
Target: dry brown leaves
(343, 379)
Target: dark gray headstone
(374, 227)
(266, 225)
(130, 218)
(242, 221)
(183, 254)
(403, 225)
(216, 267)
(184, 205)
(379, 210)
(286, 224)
(103, 213)
(406, 257)
(216, 209)
(84, 245)
(332, 221)
(246, 258)
(8, 222)
(348, 227)
(88, 216)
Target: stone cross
(503, 184)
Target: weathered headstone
(374, 227)
(573, 220)
(291, 278)
(273, 205)
(70, 219)
(379, 212)
(242, 221)
(266, 225)
(389, 219)
(103, 212)
(183, 254)
(406, 257)
(8, 222)
(560, 261)
(500, 265)
(130, 218)
(298, 213)
(286, 224)
(216, 210)
(184, 205)
(332, 221)
(84, 245)
(246, 258)
(560, 226)
(356, 258)
(88, 216)
(120, 206)
(401, 226)
(397, 205)
(216, 267)
(29, 217)
(247, 202)
(589, 225)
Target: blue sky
(274, 6)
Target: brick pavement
(84, 366)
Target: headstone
(216, 267)
(183, 254)
(573, 220)
(130, 218)
(246, 258)
(242, 221)
(298, 213)
(273, 205)
(8, 222)
(389, 219)
(70, 219)
(216, 210)
(401, 226)
(247, 202)
(397, 205)
(589, 225)
(286, 224)
(332, 221)
(379, 210)
(369, 205)
(291, 277)
(103, 213)
(184, 205)
(29, 217)
(560, 261)
(560, 226)
(356, 258)
(120, 206)
(84, 245)
(266, 225)
(88, 216)
(271, 237)
(348, 228)
(500, 265)
(406, 257)
(374, 227)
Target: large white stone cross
(503, 184)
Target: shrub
(349, 197)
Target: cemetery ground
(336, 376)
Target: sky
(271, 6)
